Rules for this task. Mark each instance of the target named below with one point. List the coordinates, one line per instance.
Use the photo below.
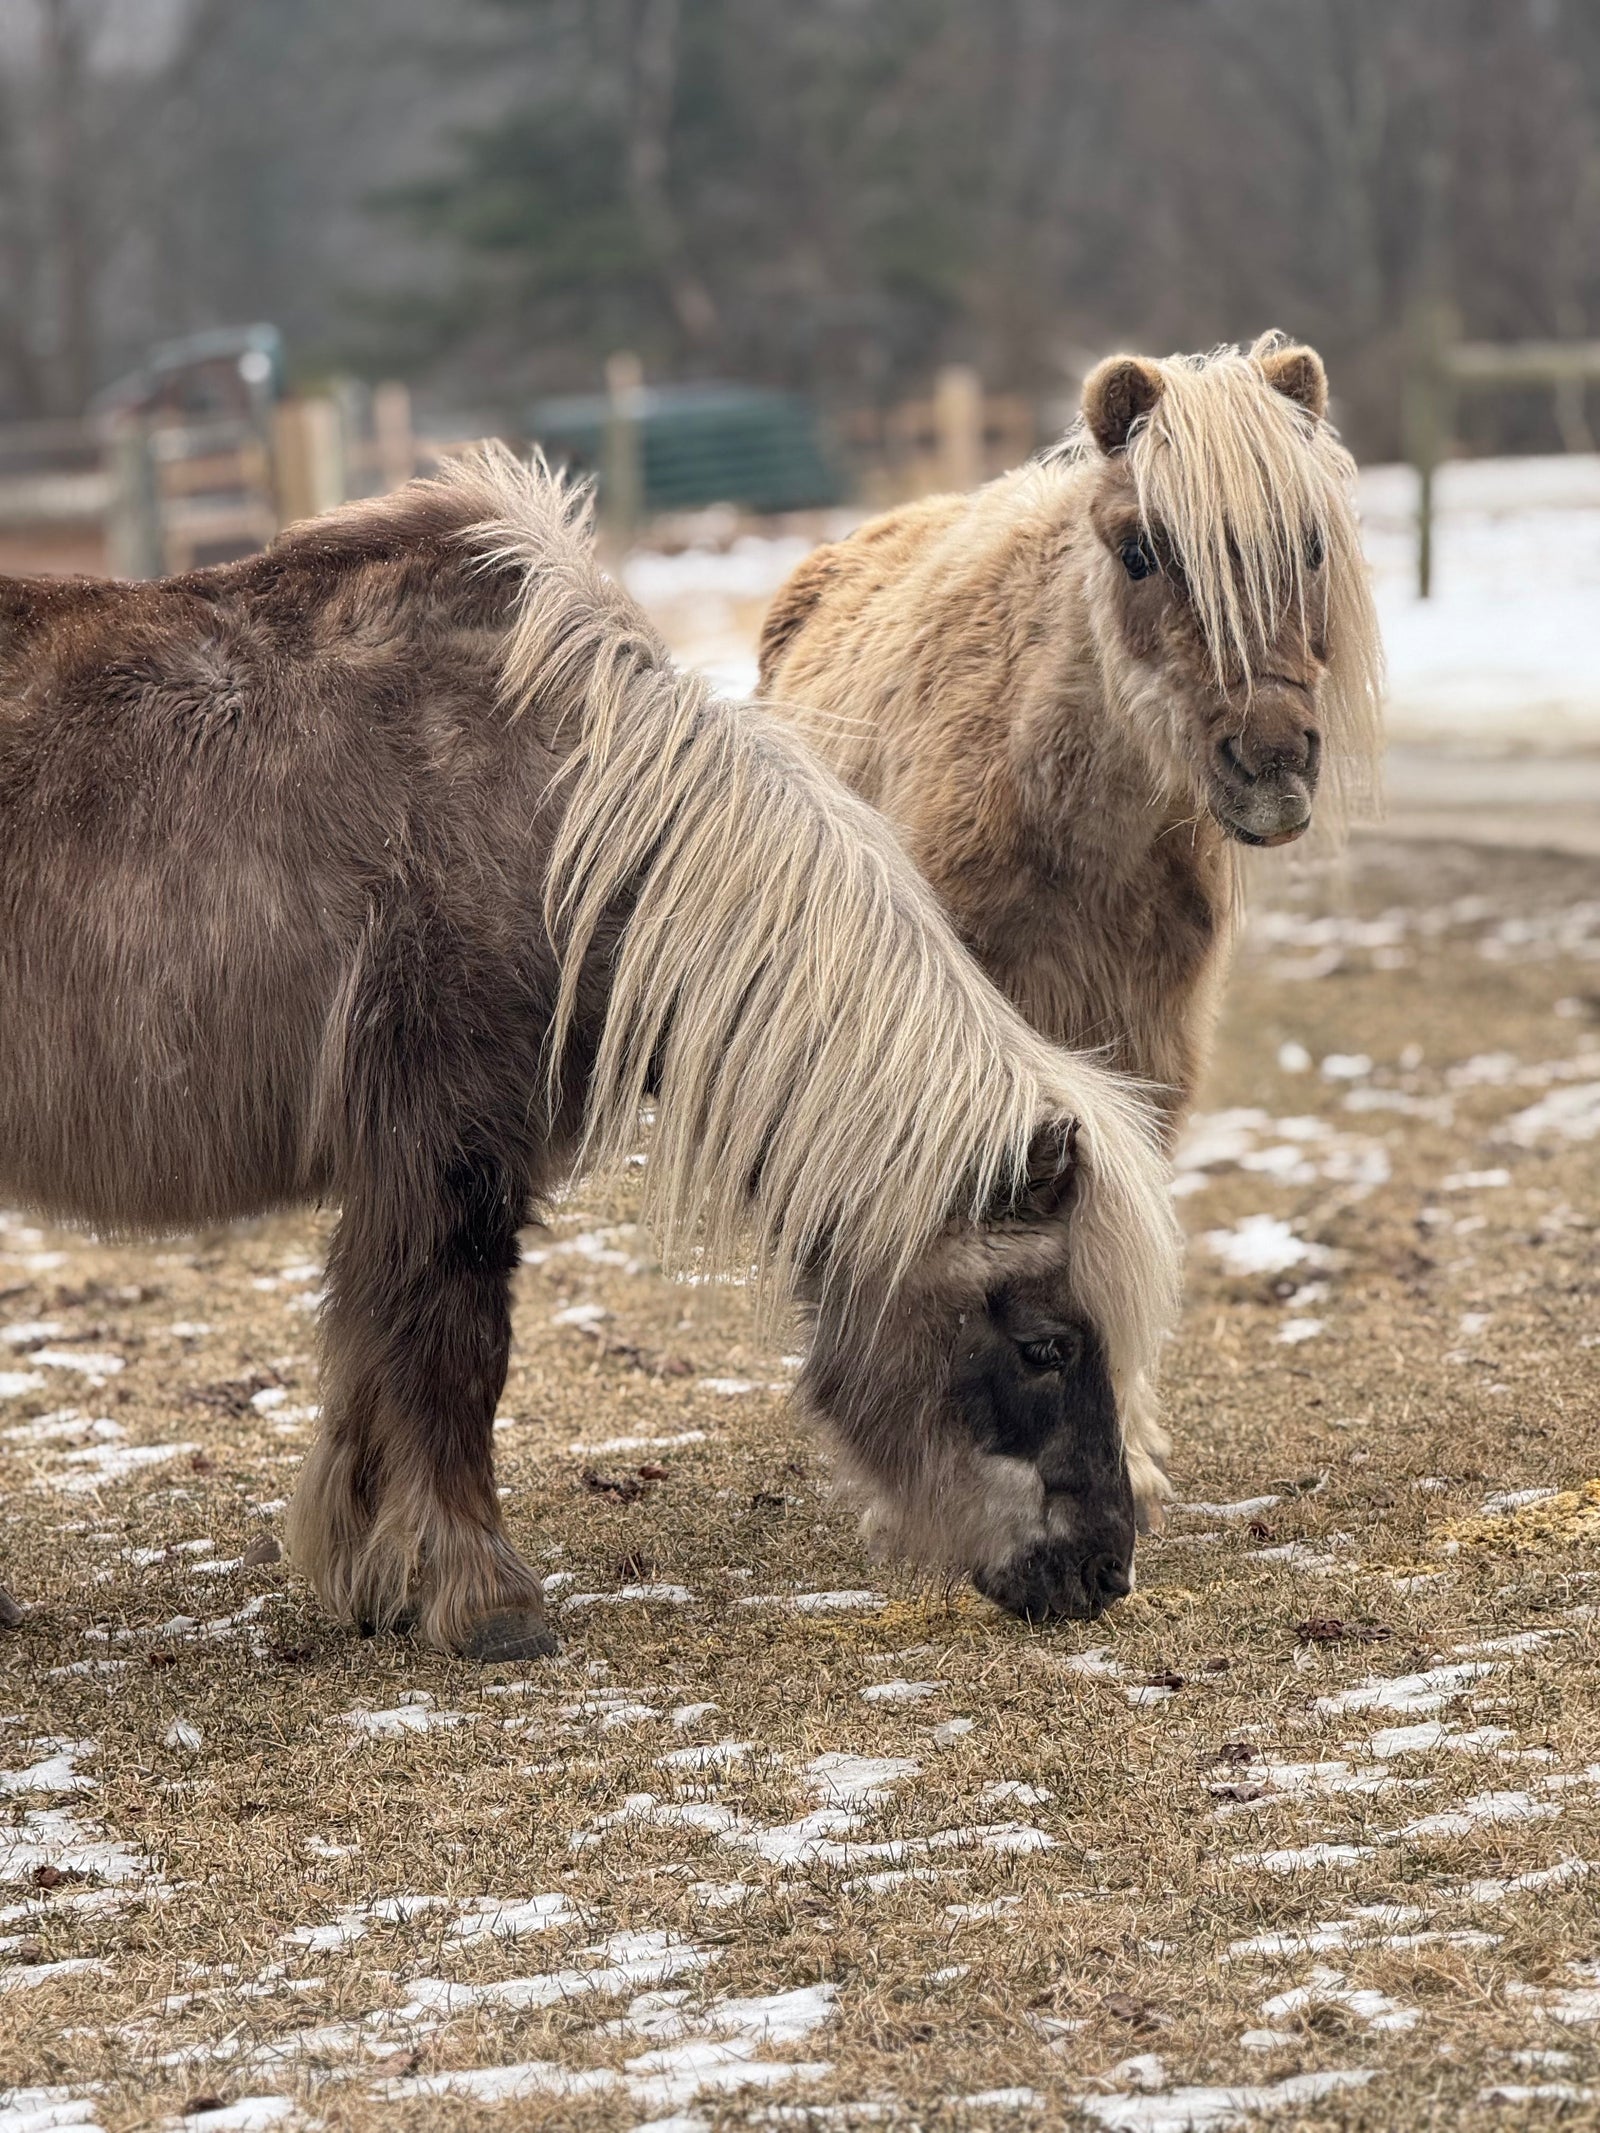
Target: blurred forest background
(488, 196)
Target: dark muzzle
(1264, 778)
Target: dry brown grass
(1111, 1942)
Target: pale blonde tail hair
(1241, 478)
(833, 1076)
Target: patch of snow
(714, 1755)
(493, 1919)
(1262, 1244)
(951, 1731)
(623, 1960)
(1428, 1691)
(1571, 1114)
(404, 1718)
(251, 2114)
(580, 1314)
(1483, 1808)
(24, 1977)
(1492, 1890)
(639, 1444)
(35, 2110)
(858, 1780)
(1200, 2110)
(53, 1837)
(659, 1595)
(1246, 1507)
(1327, 1988)
(97, 1466)
(1308, 1855)
(94, 1365)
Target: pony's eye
(1138, 558)
(1316, 550)
(1059, 1352)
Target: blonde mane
(1241, 478)
(831, 1072)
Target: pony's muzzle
(1057, 1584)
(1264, 778)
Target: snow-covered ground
(1506, 654)
(1504, 657)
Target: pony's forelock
(832, 1075)
(1240, 478)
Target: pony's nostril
(1233, 762)
(1106, 1578)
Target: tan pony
(1080, 690)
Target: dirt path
(1302, 1834)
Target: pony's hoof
(516, 1634)
(11, 1615)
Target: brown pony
(398, 867)
(1077, 692)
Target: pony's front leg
(395, 1519)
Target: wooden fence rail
(141, 497)
(1442, 368)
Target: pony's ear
(1115, 394)
(1298, 374)
(1046, 1188)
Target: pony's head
(976, 1408)
(1229, 596)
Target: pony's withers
(395, 867)
(1080, 691)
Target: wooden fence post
(622, 497)
(1428, 418)
(135, 545)
(307, 458)
(396, 440)
(958, 426)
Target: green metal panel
(704, 444)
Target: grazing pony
(397, 867)
(1078, 691)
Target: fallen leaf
(620, 1488)
(1329, 1629)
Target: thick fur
(393, 868)
(1045, 733)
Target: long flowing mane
(1245, 482)
(785, 987)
